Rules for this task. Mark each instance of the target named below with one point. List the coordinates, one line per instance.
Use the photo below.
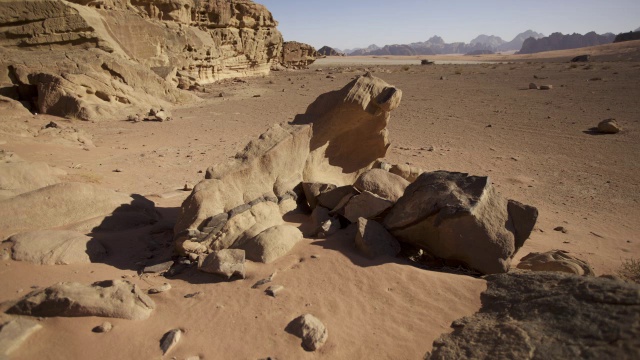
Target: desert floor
(536, 146)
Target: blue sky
(358, 23)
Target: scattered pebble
(609, 126)
(546, 87)
(561, 229)
(159, 289)
(273, 290)
(117, 170)
(187, 187)
(105, 327)
(192, 295)
(170, 340)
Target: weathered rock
(545, 87)
(99, 67)
(310, 329)
(313, 190)
(297, 55)
(555, 260)
(71, 203)
(382, 183)
(159, 289)
(105, 327)
(226, 263)
(109, 298)
(330, 199)
(409, 173)
(581, 58)
(318, 216)
(328, 228)
(14, 333)
(317, 147)
(56, 247)
(533, 86)
(461, 218)
(17, 177)
(609, 126)
(374, 240)
(273, 290)
(547, 316)
(272, 243)
(365, 205)
(170, 340)
(158, 268)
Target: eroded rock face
(317, 147)
(459, 217)
(110, 298)
(547, 316)
(296, 55)
(99, 59)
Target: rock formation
(56, 247)
(462, 218)
(547, 316)
(296, 55)
(114, 57)
(630, 36)
(239, 200)
(555, 260)
(111, 298)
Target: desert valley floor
(537, 147)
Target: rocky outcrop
(463, 219)
(110, 298)
(558, 41)
(101, 59)
(555, 260)
(547, 316)
(296, 55)
(329, 51)
(74, 203)
(56, 247)
(237, 201)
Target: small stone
(310, 329)
(273, 290)
(170, 340)
(159, 289)
(533, 86)
(117, 170)
(546, 87)
(105, 327)
(264, 281)
(256, 96)
(609, 126)
(561, 229)
(226, 263)
(192, 295)
(187, 187)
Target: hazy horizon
(358, 23)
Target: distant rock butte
(329, 51)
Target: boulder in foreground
(109, 298)
(56, 247)
(374, 240)
(310, 329)
(226, 263)
(547, 316)
(461, 218)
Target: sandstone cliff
(95, 59)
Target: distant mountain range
(437, 45)
(558, 41)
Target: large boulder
(547, 316)
(365, 205)
(297, 55)
(109, 298)
(272, 243)
(374, 240)
(56, 247)
(226, 263)
(317, 147)
(555, 260)
(382, 183)
(461, 218)
(71, 203)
